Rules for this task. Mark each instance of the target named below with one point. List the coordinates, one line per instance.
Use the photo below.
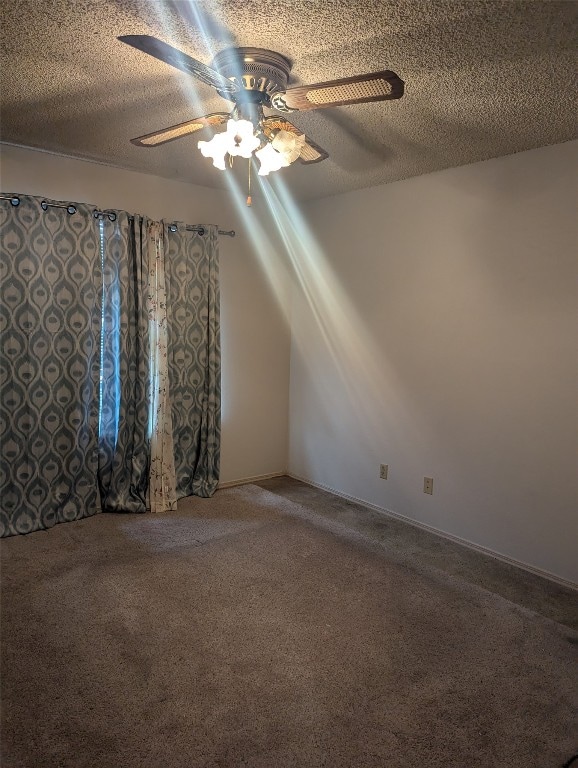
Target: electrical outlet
(383, 469)
(428, 485)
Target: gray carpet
(245, 630)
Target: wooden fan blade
(310, 153)
(361, 89)
(165, 52)
(182, 129)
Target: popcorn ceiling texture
(483, 79)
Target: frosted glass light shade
(241, 140)
(288, 144)
(238, 140)
(270, 160)
(216, 148)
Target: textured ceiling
(482, 79)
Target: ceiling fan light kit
(254, 79)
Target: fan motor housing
(260, 72)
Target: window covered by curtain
(50, 331)
(110, 370)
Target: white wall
(255, 337)
(438, 334)
(434, 329)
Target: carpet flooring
(410, 543)
(248, 631)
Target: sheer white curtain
(162, 490)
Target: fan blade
(165, 52)
(311, 152)
(182, 129)
(376, 86)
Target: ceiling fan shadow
(450, 35)
(361, 149)
(80, 119)
(353, 147)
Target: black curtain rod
(201, 230)
(70, 208)
(173, 227)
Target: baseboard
(443, 534)
(247, 480)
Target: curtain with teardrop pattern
(124, 451)
(194, 359)
(50, 308)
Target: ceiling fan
(254, 79)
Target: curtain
(162, 491)
(110, 369)
(124, 391)
(194, 355)
(49, 325)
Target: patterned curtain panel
(194, 356)
(50, 326)
(124, 382)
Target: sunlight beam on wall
(338, 351)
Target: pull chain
(249, 200)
